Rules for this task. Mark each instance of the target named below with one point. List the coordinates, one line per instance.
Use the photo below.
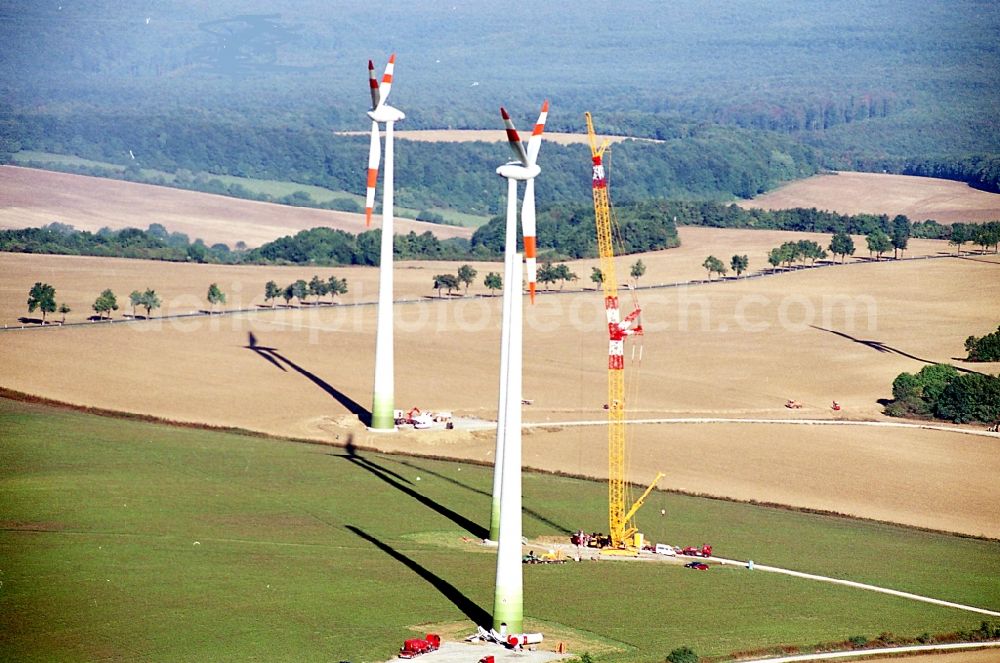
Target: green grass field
(124, 540)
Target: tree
(288, 293)
(106, 302)
(842, 245)
(215, 296)
(986, 348)
(547, 274)
(149, 301)
(638, 269)
(970, 397)
(493, 282)
(563, 274)
(317, 287)
(774, 258)
(300, 290)
(878, 243)
(42, 296)
(739, 264)
(64, 309)
(960, 234)
(900, 234)
(135, 298)
(336, 286)
(808, 249)
(714, 265)
(466, 274)
(449, 281)
(683, 655)
(271, 292)
(596, 275)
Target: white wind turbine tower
(505, 519)
(383, 113)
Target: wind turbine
(505, 519)
(382, 113)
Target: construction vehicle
(624, 535)
(704, 551)
(550, 557)
(421, 420)
(417, 646)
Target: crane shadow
(400, 483)
(879, 346)
(274, 357)
(469, 608)
(530, 512)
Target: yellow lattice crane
(621, 518)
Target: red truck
(417, 646)
(704, 551)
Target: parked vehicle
(698, 566)
(704, 551)
(417, 646)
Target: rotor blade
(374, 154)
(373, 84)
(528, 228)
(513, 138)
(386, 85)
(535, 142)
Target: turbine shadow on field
(879, 346)
(471, 610)
(534, 514)
(395, 480)
(277, 359)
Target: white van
(663, 549)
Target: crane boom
(620, 519)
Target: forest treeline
(703, 162)
(743, 97)
(564, 232)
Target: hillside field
(32, 198)
(736, 349)
(128, 541)
(919, 198)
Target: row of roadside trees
(548, 274)
(302, 289)
(42, 298)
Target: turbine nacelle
(515, 170)
(386, 113)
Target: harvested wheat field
(919, 198)
(976, 656)
(182, 286)
(732, 350)
(30, 198)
